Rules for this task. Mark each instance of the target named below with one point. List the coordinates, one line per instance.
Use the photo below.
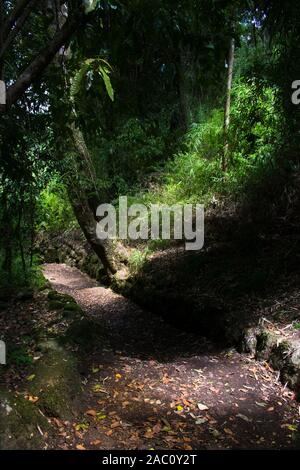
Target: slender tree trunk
(227, 105)
(183, 88)
(83, 193)
(83, 206)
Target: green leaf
(292, 427)
(30, 377)
(107, 83)
(104, 70)
(82, 426)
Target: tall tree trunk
(84, 206)
(183, 88)
(227, 105)
(83, 194)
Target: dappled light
(149, 227)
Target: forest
(150, 225)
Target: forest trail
(149, 385)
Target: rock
(278, 356)
(64, 302)
(54, 295)
(70, 248)
(55, 305)
(249, 341)
(291, 370)
(282, 355)
(265, 343)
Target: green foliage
(192, 179)
(194, 175)
(19, 356)
(255, 122)
(19, 278)
(168, 57)
(137, 259)
(206, 137)
(54, 212)
(135, 150)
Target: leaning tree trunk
(86, 220)
(227, 105)
(84, 209)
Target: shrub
(54, 210)
(194, 175)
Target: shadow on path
(158, 387)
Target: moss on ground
(56, 380)
(83, 333)
(64, 302)
(21, 423)
(55, 305)
(54, 295)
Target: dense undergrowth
(192, 174)
(161, 141)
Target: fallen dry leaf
(202, 407)
(115, 424)
(31, 398)
(97, 442)
(80, 447)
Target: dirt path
(151, 386)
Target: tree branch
(42, 60)
(14, 15)
(14, 31)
